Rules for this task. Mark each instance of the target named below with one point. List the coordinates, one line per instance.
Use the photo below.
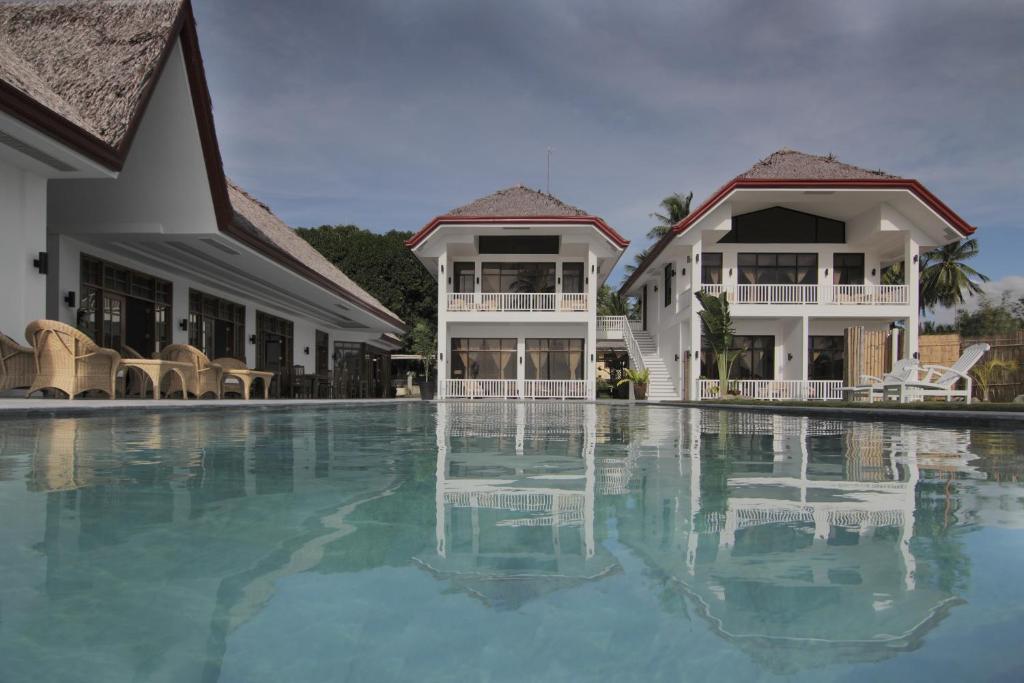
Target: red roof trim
(608, 231)
(913, 186)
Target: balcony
(832, 295)
(529, 302)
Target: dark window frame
(580, 269)
(847, 268)
(769, 267)
(540, 353)
(831, 350)
(100, 278)
(770, 225)
(466, 357)
(208, 310)
(709, 270)
(755, 358)
(463, 274)
(668, 274)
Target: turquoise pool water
(503, 542)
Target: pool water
(494, 541)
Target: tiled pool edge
(17, 408)
(889, 414)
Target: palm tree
(717, 326)
(676, 207)
(945, 277)
(610, 303)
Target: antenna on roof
(548, 190)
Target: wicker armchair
(66, 359)
(237, 370)
(203, 378)
(17, 365)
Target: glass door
(112, 327)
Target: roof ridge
(792, 164)
(517, 201)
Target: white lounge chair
(903, 370)
(940, 381)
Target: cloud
(387, 113)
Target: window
(754, 358)
(778, 225)
(463, 275)
(777, 269)
(572, 278)
(825, 356)
(554, 359)
(122, 308)
(518, 277)
(711, 269)
(216, 326)
(667, 284)
(518, 244)
(848, 269)
(483, 358)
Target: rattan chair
(17, 365)
(238, 371)
(68, 360)
(203, 378)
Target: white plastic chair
(903, 370)
(940, 381)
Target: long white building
(799, 244)
(517, 279)
(116, 215)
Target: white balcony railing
(554, 388)
(511, 388)
(527, 302)
(812, 294)
(776, 389)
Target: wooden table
(155, 370)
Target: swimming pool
(494, 541)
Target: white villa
(517, 278)
(798, 243)
(116, 216)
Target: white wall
(163, 187)
(23, 227)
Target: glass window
(483, 358)
(554, 359)
(572, 278)
(825, 357)
(463, 275)
(518, 278)
(778, 225)
(711, 269)
(754, 358)
(216, 326)
(123, 308)
(667, 284)
(848, 269)
(777, 269)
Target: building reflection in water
(515, 500)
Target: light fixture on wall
(915, 258)
(593, 268)
(442, 267)
(655, 288)
(872, 271)
(826, 272)
(440, 356)
(69, 299)
(697, 258)
(730, 271)
(252, 339)
(41, 262)
(677, 357)
(183, 324)
(789, 356)
(306, 350)
(684, 272)
(592, 358)
(688, 258)
(696, 354)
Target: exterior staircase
(660, 386)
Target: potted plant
(639, 380)
(716, 324)
(423, 342)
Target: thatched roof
(517, 201)
(789, 164)
(89, 60)
(258, 220)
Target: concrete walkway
(823, 410)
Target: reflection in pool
(503, 541)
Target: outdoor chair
(68, 360)
(903, 370)
(17, 365)
(203, 377)
(940, 381)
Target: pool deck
(13, 408)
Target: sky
(385, 114)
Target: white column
(443, 345)
(590, 345)
(693, 268)
(521, 366)
(912, 277)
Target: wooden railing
(776, 389)
(528, 302)
(812, 294)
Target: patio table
(246, 378)
(155, 370)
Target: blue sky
(385, 114)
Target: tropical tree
(945, 277)
(674, 208)
(422, 341)
(610, 303)
(717, 326)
